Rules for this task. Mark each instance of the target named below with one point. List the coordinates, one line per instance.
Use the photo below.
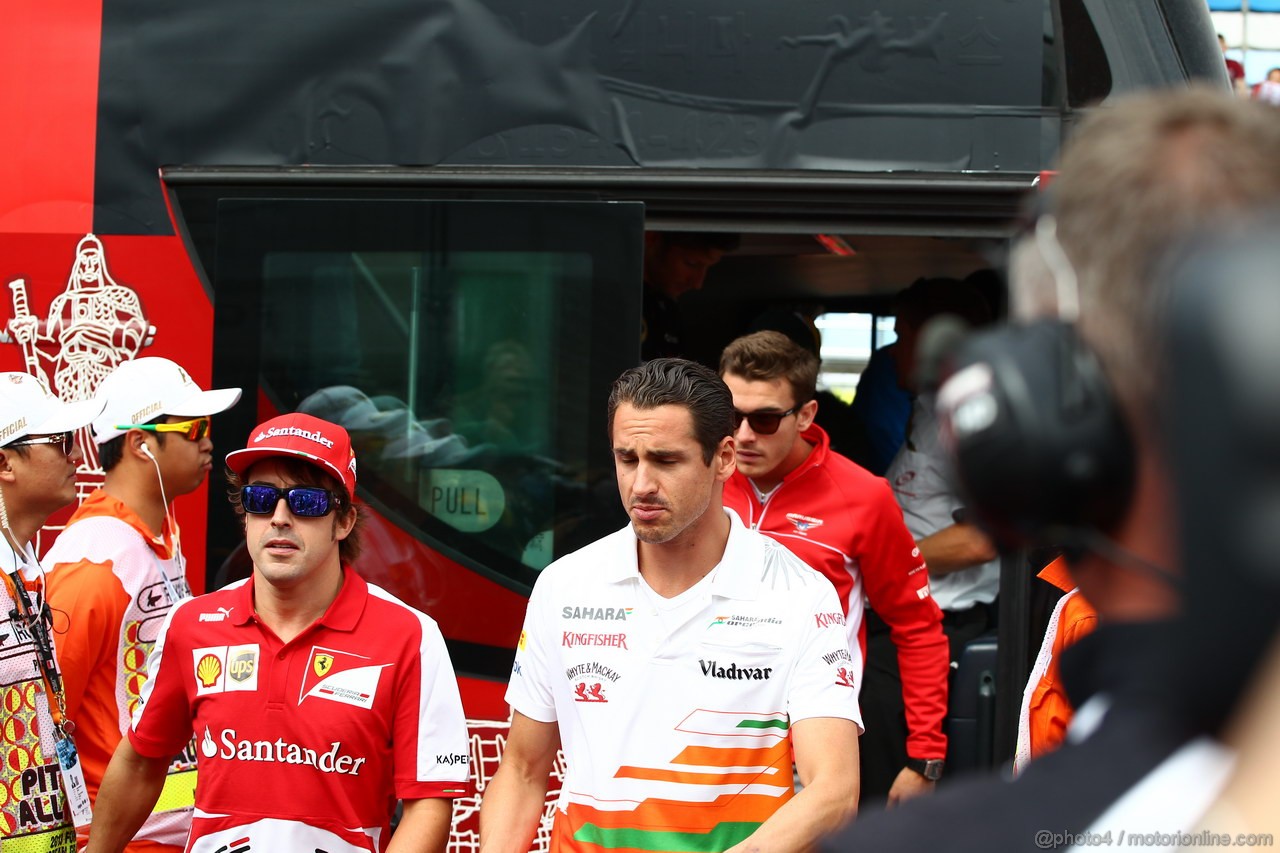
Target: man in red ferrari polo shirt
(843, 521)
(317, 700)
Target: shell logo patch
(209, 671)
(340, 676)
(213, 664)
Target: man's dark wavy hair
(679, 382)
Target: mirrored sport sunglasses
(194, 429)
(303, 501)
(66, 440)
(762, 423)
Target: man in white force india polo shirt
(317, 700)
(683, 661)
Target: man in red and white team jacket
(842, 520)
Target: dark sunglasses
(67, 441)
(762, 423)
(303, 501)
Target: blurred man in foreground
(1140, 177)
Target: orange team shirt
(1046, 711)
(109, 600)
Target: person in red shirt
(841, 520)
(1235, 70)
(317, 699)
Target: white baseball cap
(143, 389)
(27, 408)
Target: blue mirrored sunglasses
(303, 501)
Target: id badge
(73, 786)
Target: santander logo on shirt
(230, 747)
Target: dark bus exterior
(423, 219)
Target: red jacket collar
(817, 436)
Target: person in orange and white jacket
(117, 568)
(1046, 710)
(841, 520)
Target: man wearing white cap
(38, 458)
(118, 567)
(316, 699)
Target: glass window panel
(468, 353)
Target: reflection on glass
(454, 374)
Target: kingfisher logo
(825, 619)
(803, 523)
(285, 432)
(599, 614)
(572, 640)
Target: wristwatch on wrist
(929, 768)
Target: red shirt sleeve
(896, 582)
(429, 735)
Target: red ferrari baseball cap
(323, 444)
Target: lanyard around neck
(39, 629)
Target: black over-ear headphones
(1038, 443)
